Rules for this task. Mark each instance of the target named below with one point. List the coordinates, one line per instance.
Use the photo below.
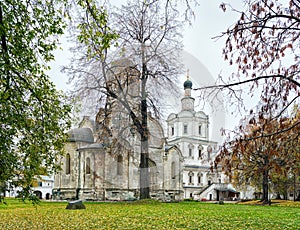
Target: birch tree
(34, 115)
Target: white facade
(101, 168)
(93, 171)
(188, 130)
(42, 188)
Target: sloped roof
(81, 135)
(92, 146)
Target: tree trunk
(265, 186)
(294, 187)
(298, 196)
(144, 167)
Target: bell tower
(187, 102)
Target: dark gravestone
(77, 204)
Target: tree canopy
(261, 152)
(263, 48)
(34, 115)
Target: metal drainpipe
(83, 169)
(179, 176)
(93, 172)
(128, 155)
(163, 177)
(104, 184)
(79, 172)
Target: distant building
(43, 187)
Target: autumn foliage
(264, 150)
(263, 45)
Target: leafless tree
(264, 46)
(139, 69)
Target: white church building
(180, 159)
(189, 131)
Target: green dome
(187, 84)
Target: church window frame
(120, 165)
(191, 177)
(209, 152)
(200, 129)
(172, 131)
(200, 149)
(88, 165)
(185, 129)
(68, 164)
(173, 170)
(200, 176)
(191, 153)
(209, 182)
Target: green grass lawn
(148, 215)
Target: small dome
(81, 135)
(187, 84)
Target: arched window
(209, 151)
(191, 154)
(200, 148)
(153, 173)
(88, 166)
(173, 170)
(199, 178)
(191, 175)
(120, 165)
(68, 163)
